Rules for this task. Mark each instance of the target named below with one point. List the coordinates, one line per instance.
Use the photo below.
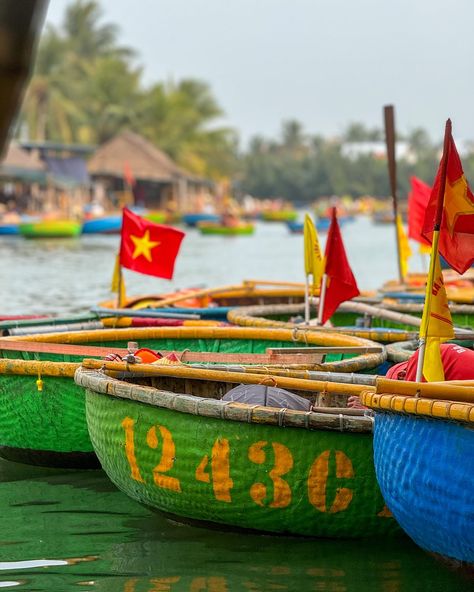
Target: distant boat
(9, 229)
(217, 228)
(279, 215)
(102, 225)
(50, 228)
(295, 227)
(193, 219)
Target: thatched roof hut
(158, 180)
(18, 164)
(141, 157)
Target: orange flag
(456, 238)
(147, 247)
(341, 284)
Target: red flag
(418, 199)
(128, 175)
(456, 237)
(341, 284)
(147, 247)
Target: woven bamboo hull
(44, 428)
(246, 475)
(53, 420)
(425, 469)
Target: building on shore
(130, 170)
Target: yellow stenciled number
(167, 458)
(283, 463)
(220, 469)
(318, 478)
(128, 425)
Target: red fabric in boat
(458, 363)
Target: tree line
(87, 87)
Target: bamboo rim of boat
(371, 354)
(95, 379)
(253, 316)
(419, 406)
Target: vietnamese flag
(456, 237)
(341, 284)
(418, 199)
(147, 247)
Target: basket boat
(377, 323)
(424, 459)
(279, 215)
(50, 229)
(103, 225)
(170, 442)
(48, 426)
(216, 228)
(192, 220)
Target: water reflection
(92, 536)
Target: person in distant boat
(458, 364)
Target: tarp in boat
(268, 396)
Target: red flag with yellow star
(456, 238)
(147, 247)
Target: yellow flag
(118, 283)
(436, 324)
(313, 259)
(405, 250)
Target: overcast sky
(325, 63)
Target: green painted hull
(349, 319)
(50, 229)
(246, 475)
(53, 421)
(226, 230)
(46, 427)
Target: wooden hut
(129, 168)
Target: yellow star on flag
(456, 202)
(143, 246)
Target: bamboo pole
(389, 119)
(451, 391)
(224, 376)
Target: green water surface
(75, 531)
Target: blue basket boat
(424, 461)
(102, 225)
(192, 220)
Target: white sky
(325, 63)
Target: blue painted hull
(425, 469)
(193, 219)
(106, 225)
(9, 229)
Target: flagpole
(306, 301)
(322, 298)
(434, 245)
(389, 118)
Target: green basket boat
(50, 229)
(44, 422)
(279, 215)
(168, 441)
(214, 228)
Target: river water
(70, 275)
(67, 530)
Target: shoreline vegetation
(87, 87)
